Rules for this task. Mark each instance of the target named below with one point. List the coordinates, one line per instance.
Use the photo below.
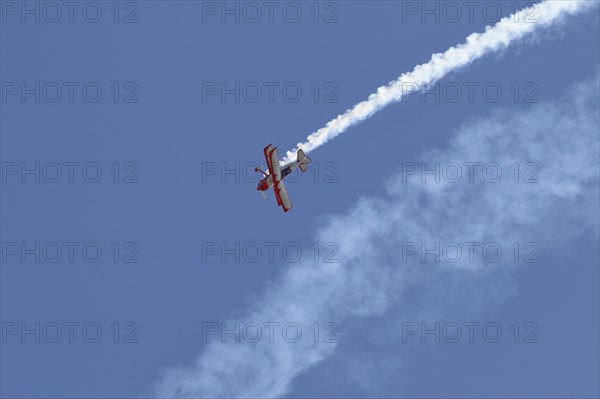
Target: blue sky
(165, 135)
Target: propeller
(259, 169)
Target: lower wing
(282, 196)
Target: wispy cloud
(561, 138)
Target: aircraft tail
(303, 159)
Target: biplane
(277, 173)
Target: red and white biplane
(277, 173)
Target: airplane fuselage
(267, 181)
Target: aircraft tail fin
(303, 159)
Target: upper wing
(282, 196)
(272, 158)
(268, 149)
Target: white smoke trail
(477, 45)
